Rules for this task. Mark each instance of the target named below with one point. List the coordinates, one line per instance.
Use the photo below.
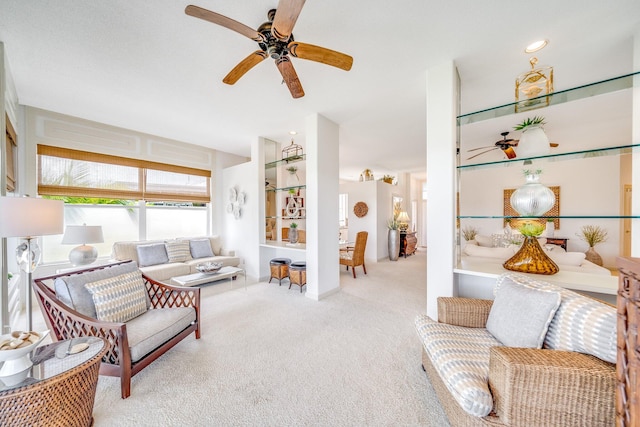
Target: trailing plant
(469, 233)
(592, 234)
(531, 229)
(393, 223)
(531, 172)
(537, 120)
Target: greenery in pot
(293, 225)
(592, 234)
(393, 224)
(469, 233)
(535, 121)
(531, 229)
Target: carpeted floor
(268, 356)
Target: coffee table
(202, 278)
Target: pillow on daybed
(153, 254)
(119, 298)
(485, 241)
(520, 315)
(566, 258)
(200, 248)
(482, 251)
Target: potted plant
(593, 234)
(469, 233)
(533, 141)
(530, 258)
(293, 233)
(393, 238)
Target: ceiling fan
(275, 39)
(506, 145)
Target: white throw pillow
(486, 241)
(481, 251)
(520, 316)
(567, 258)
(178, 250)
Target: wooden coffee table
(196, 279)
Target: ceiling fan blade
(553, 144)
(286, 16)
(223, 21)
(494, 148)
(290, 76)
(481, 148)
(245, 65)
(320, 54)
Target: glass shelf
(555, 98)
(287, 161)
(598, 152)
(287, 217)
(296, 187)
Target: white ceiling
(149, 67)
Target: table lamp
(403, 221)
(28, 218)
(81, 235)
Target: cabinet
(592, 126)
(408, 243)
(628, 363)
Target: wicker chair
(66, 323)
(354, 256)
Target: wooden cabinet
(408, 243)
(628, 363)
(560, 241)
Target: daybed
(486, 362)
(163, 259)
(139, 317)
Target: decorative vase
(533, 142)
(531, 259)
(394, 244)
(550, 229)
(533, 198)
(593, 256)
(293, 235)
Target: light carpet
(268, 356)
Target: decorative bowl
(209, 267)
(17, 360)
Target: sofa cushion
(155, 327)
(520, 315)
(200, 248)
(461, 357)
(153, 254)
(119, 298)
(164, 272)
(71, 291)
(178, 250)
(580, 324)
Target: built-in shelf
(555, 98)
(287, 161)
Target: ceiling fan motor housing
(272, 46)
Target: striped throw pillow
(178, 250)
(119, 298)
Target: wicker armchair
(354, 256)
(66, 323)
(530, 387)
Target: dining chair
(354, 257)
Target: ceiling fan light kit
(275, 40)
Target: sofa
(163, 259)
(139, 318)
(536, 355)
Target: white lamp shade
(403, 217)
(30, 216)
(81, 234)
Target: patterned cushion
(178, 250)
(152, 254)
(119, 298)
(520, 315)
(461, 357)
(580, 324)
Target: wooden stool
(298, 274)
(279, 269)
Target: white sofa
(163, 259)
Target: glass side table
(59, 389)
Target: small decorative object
(393, 239)
(293, 233)
(507, 231)
(236, 200)
(533, 198)
(360, 209)
(469, 233)
(550, 229)
(14, 352)
(531, 258)
(209, 267)
(368, 175)
(532, 86)
(593, 234)
(533, 141)
(293, 180)
(388, 179)
(292, 152)
(403, 221)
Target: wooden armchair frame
(65, 323)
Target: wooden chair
(354, 257)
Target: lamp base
(83, 255)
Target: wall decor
(396, 205)
(236, 201)
(360, 209)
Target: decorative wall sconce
(532, 86)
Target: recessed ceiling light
(293, 132)
(536, 46)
